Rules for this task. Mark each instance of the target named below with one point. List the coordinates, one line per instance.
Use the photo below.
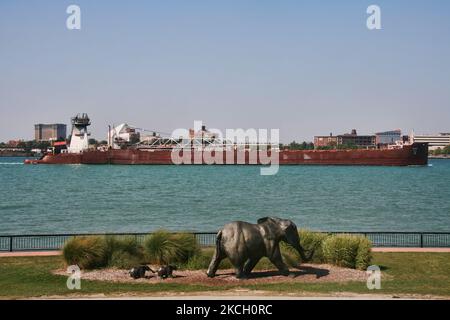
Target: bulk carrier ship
(156, 150)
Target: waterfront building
(14, 143)
(325, 141)
(435, 141)
(361, 141)
(48, 132)
(388, 137)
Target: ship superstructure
(79, 139)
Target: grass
(410, 273)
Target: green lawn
(410, 273)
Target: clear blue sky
(305, 67)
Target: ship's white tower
(79, 141)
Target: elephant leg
(277, 260)
(240, 272)
(215, 261)
(248, 267)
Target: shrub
(159, 248)
(199, 261)
(346, 250)
(91, 252)
(290, 256)
(88, 252)
(364, 255)
(310, 240)
(163, 247)
(187, 246)
(123, 252)
(127, 244)
(202, 259)
(124, 260)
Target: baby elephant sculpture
(139, 271)
(165, 272)
(244, 244)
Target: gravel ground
(305, 273)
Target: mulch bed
(305, 273)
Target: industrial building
(49, 132)
(122, 135)
(434, 141)
(325, 141)
(361, 141)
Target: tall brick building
(47, 132)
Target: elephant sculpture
(244, 244)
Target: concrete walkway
(219, 296)
(411, 249)
(56, 253)
(30, 253)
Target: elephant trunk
(301, 251)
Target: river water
(90, 198)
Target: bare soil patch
(305, 273)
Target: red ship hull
(415, 154)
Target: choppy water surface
(89, 198)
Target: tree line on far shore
(439, 151)
(310, 146)
(27, 146)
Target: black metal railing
(44, 242)
(407, 239)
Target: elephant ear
(265, 219)
(262, 220)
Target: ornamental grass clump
(124, 252)
(202, 259)
(94, 252)
(187, 246)
(310, 241)
(88, 252)
(364, 255)
(163, 247)
(345, 250)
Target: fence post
(10, 244)
(421, 240)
